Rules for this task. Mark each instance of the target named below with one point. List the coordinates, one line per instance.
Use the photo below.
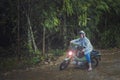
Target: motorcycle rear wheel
(94, 62)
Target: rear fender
(96, 54)
(98, 57)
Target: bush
(57, 52)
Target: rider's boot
(90, 67)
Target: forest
(33, 30)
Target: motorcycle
(75, 56)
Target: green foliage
(8, 64)
(57, 52)
(68, 7)
(83, 20)
(102, 5)
(105, 37)
(29, 47)
(35, 60)
(50, 21)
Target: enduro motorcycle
(75, 56)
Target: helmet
(82, 32)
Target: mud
(108, 69)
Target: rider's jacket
(85, 42)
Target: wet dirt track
(108, 69)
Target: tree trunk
(43, 41)
(31, 35)
(18, 33)
(65, 32)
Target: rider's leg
(87, 55)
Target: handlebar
(78, 47)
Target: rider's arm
(75, 41)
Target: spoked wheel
(64, 64)
(94, 62)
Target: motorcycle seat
(94, 52)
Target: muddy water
(108, 69)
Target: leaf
(67, 7)
(103, 6)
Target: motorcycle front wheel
(64, 64)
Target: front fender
(67, 59)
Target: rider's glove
(83, 50)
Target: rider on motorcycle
(85, 42)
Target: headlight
(70, 53)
